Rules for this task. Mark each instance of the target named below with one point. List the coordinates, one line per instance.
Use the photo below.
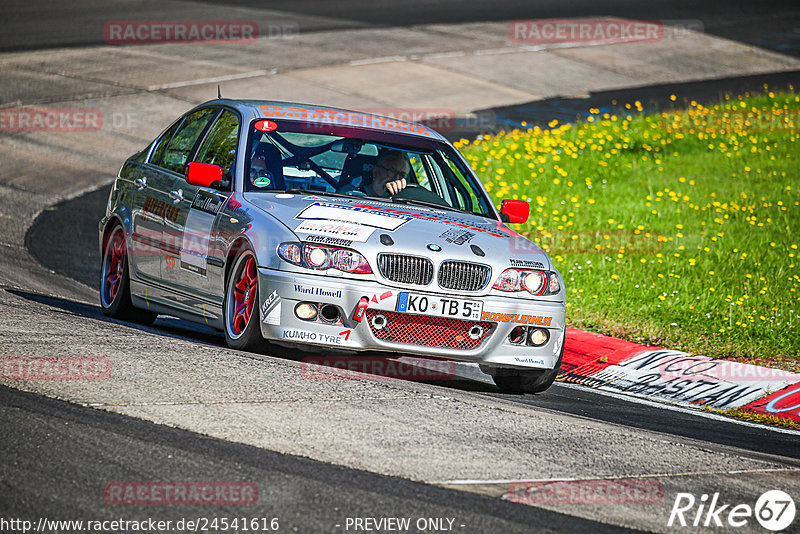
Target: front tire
(115, 287)
(240, 310)
(520, 382)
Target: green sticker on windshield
(261, 181)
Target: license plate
(441, 306)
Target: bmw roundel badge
(434, 247)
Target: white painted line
(442, 55)
(200, 81)
(616, 477)
(385, 59)
(675, 408)
(495, 51)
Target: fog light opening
(517, 335)
(475, 332)
(379, 322)
(329, 313)
(538, 337)
(307, 311)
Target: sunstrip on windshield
(343, 118)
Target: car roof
(327, 115)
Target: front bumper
(280, 292)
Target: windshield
(355, 162)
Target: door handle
(141, 182)
(177, 196)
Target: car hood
(373, 227)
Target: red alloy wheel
(244, 294)
(113, 278)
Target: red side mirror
(203, 174)
(516, 211)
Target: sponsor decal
(336, 229)
(536, 320)
(265, 126)
(197, 232)
(526, 264)
(531, 361)
(274, 316)
(327, 240)
(50, 120)
(304, 336)
(457, 237)
(194, 493)
(369, 216)
(263, 181)
(621, 491)
(161, 209)
(377, 298)
(55, 368)
(372, 367)
(169, 263)
(271, 309)
(208, 202)
(345, 118)
(126, 32)
(318, 291)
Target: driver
(389, 174)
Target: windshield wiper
(298, 191)
(425, 204)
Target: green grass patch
(677, 229)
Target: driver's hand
(395, 186)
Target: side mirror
(203, 174)
(515, 211)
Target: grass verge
(764, 419)
(677, 229)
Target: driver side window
(184, 140)
(219, 147)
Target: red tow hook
(361, 308)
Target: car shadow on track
(337, 365)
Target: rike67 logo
(774, 510)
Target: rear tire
(520, 382)
(241, 308)
(115, 287)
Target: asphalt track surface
(79, 258)
(41, 24)
(95, 447)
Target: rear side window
(180, 146)
(219, 148)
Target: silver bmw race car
(324, 228)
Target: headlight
(534, 282)
(321, 258)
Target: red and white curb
(618, 366)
